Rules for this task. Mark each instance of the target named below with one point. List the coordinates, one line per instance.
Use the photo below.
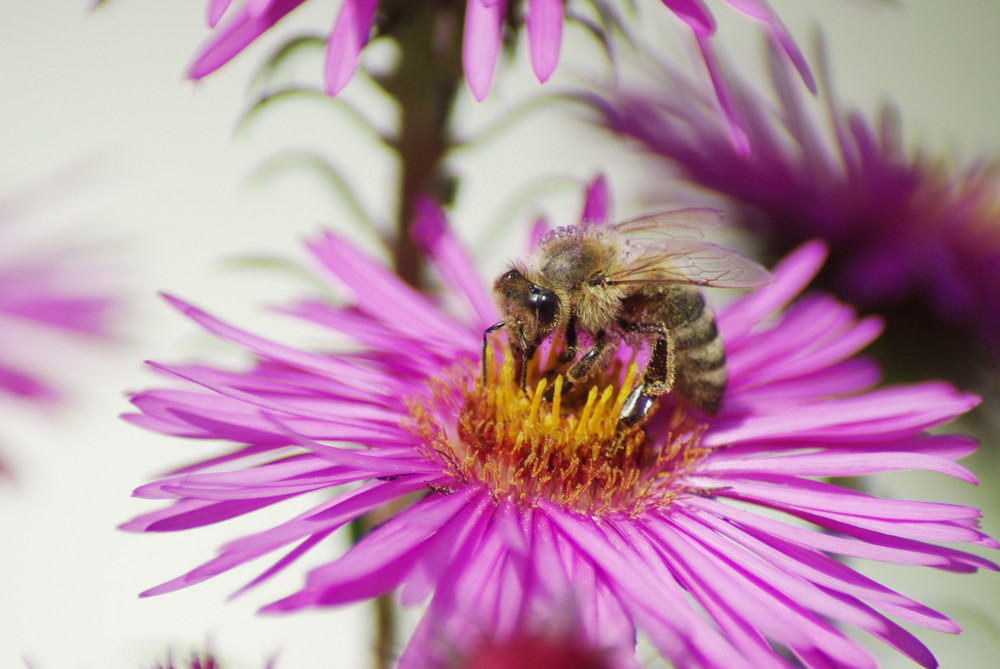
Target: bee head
(531, 311)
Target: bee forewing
(691, 262)
(673, 223)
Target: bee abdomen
(701, 360)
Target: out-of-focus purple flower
(195, 661)
(198, 660)
(53, 296)
(715, 536)
(903, 227)
(483, 34)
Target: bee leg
(596, 355)
(658, 379)
(570, 352)
(524, 356)
(486, 333)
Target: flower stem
(424, 84)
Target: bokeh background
(96, 117)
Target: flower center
(571, 450)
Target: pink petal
(695, 14)
(539, 229)
(827, 572)
(481, 44)
(544, 22)
(349, 36)
(242, 29)
(335, 368)
(858, 543)
(737, 134)
(778, 34)
(381, 294)
(597, 206)
(430, 229)
(716, 579)
(216, 10)
(380, 561)
(256, 8)
(794, 272)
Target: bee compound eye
(545, 304)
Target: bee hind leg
(658, 379)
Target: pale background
(167, 184)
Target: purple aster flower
(54, 297)
(715, 536)
(903, 227)
(483, 33)
(198, 660)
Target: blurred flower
(713, 535)
(483, 33)
(57, 297)
(532, 652)
(903, 228)
(50, 292)
(196, 661)
(199, 660)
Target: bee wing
(669, 224)
(667, 247)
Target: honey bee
(626, 282)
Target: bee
(627, 282)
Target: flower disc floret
(571, 450)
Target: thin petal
(380, 561)
(349, 36)
(544, 22)
(216, 9)
(432, 232)
(240, 31)
(779, 35)
(695, 14)
(597, 206)
(481, 44)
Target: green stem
(424, 84)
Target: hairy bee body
(699, 354)
(618, 283)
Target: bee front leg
(486, 333)
(570, 352)
(658, 379)
(596, 355)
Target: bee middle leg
(658, 379)
(596, 356)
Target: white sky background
(167, 183)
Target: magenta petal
(481, 44)
(794, 273)
(695, 14)
(349, 36)
(380, 561)
(544, 22)
(383, 295)
(737, 133)
(241, 30)
(773, 607)
(256, 8)
(215, 11)
(597, 206)
(453, 263)
(778, 33)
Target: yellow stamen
(575, 452)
